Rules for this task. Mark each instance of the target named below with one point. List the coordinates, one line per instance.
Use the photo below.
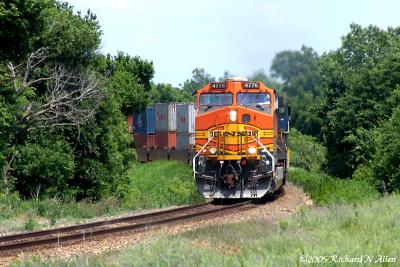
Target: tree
(259, 75)
(383, 167)
(130, 80)
(70, 38)
(360, 81)
(28, 25)
(199, 79)
(165, 93)
(69, 100)
(299, 73)
(104, 150)
(61, 103)
(21, 22)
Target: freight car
(241, 140)
(165, 132)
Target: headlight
(232, 115)
(213, 150)
(252, 150)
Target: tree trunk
(6, 169)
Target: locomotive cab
(241, 140)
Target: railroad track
(12, 244)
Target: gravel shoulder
(279, 208)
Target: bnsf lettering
(251, 85)
(218, 85)
(245, 133)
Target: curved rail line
(59, 236)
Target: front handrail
(265, 149)
(198, 153)
(211, 137)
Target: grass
(152, 185)
(345, 230)
(325, 189)
(350, 222)
(307, 158)
(160, 184)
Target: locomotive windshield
(259, 101)
(211, 100)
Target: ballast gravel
(274, 210)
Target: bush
(105, 153)
(44, 170)
(159, 184)
(383, 169)
(31, 224)
(306, 152)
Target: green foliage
(260, 75)
(86, 161)
(8, 202)
(106, 152)
(44, 169)
(129, 80)
(383, 169)
(361, 81)
(71, 38)
(299, 72)
(160, 184)
(325, 189)
(28, 25)
(305, 151)
(31, 224)
(142, 69)
(21, 23)
(199, 79)
(164, 93)
(131, 94)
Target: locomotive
(241, 140)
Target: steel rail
(84, 226)
(8, 248)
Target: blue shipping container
(144, 122)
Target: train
(239, 143)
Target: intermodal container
(144, 140)
(144, 122)
(184, 141)
(185, 118)
(165, 114)
(165, 140)
(130, 123)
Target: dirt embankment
(274, 210)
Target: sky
(218, 35)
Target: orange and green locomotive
(241, 140)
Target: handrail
(212, 135)
(266, 150)
(198, 153)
